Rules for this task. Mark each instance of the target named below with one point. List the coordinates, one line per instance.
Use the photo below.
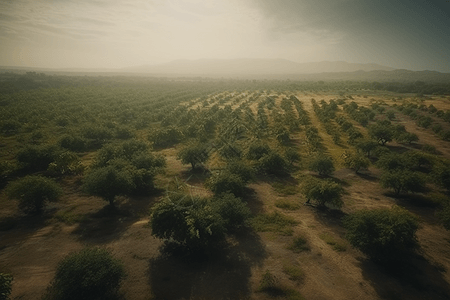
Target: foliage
(33, 192)
(292, 155)
(193, 154)
(232, 210)
(65, 163)
(109, 182)
(322, 191)
(402, 181)
(197, 224)
(441, 174)
(226, 182)
(355, 162)
(272, 163)
(36, 158)
(383, 133)
(5, 285)
(166, 137)
(92, 273)
(444, 215)
(382, 234)
(321, 163)
(73, 143)
(241, 169)
(257, 150)
(366, 146)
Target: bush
(322, 191)
(193, 154)
(402, 181)
(5, 286)
(37, 158)
(109, 182)
(323, 164)
(193, 223)
(226, 182)
(355, 162)
(257, 150)
(233, 211)
(33, 192)
(273, 163)
(92, 273)
(239, 168)
(384, 235)
(73, 143)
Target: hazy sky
(409, 34)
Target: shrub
(257, 150)
(383, 234)
(323, 192)
(37, 158)
(73, 143)
(190, 222)
(226, 182)
(355, 162)
(92, 273)
(33, 192)
(323, 164)
(5, 286)
(402, 181)
(273, 163)
(233, 211)
(274, 222)
(239, 168)
(193, 154)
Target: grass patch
(285, 189)
(274, 222)
(298, 245)
(338, 246)
(287, 204)
(293, 272)
(269, 284)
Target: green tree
(226, 182)
(383, 133)
(323, 192)
(273, 163)
(355, 162)
(383, 234)
(402, 181)
(193, 154)
(109, 182)
(33, 192)
(5, 285)
(190, 222)
(233, 211)
(321, 163)
(292, 155)
(366, 146)
(65, 163)
(92, 273)
(257, 150)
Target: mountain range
(245, 67)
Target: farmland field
(63, 127)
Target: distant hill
(246, 67)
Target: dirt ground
(30, 248)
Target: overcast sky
(410, 34)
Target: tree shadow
(254, 203)
(225, 275)
(414, 278)
(110, 222)
(367, 176)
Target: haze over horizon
(412, 35)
